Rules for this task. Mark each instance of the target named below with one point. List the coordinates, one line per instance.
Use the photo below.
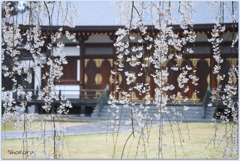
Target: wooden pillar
(82, 48)
(82, 112)
(213, 77)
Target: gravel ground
(88, 128)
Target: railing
(102, 100)
(83, 94)
(217, 103)
(22, 95)
(206, 101)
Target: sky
(103, 13)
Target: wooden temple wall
(96, 74)
(91, 67)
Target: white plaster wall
(31, 109)
(37, 78)
(201, 38)
(135, 40)
(78, 70)
(71, 51)
(228, 36)
(99, 39)
(4, 93)
(65, 40)
(69, 91)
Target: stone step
(155, 110)
(154, 120)
(164, 116)
(152, 107)
(86, 119)
(193, 114)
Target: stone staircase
(193, 114)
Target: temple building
(87, 76)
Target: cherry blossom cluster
(32, 40)
(137, 49)
(225, 94)
(132, 52)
